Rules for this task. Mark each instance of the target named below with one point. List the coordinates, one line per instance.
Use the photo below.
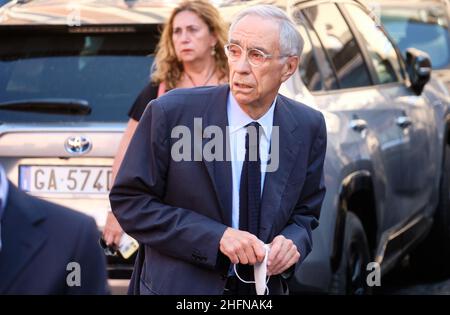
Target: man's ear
(290, 67)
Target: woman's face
(191, 37)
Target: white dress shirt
(237, 120)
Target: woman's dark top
(149, 93)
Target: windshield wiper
(49, 106)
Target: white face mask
(260, 273)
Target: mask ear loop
(250, 282)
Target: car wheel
(350, 277)
(433, 254)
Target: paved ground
(405, 281)
(432, 288)
(118, 286)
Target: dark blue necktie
(250, 198)
(250, 184)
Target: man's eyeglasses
(255, 56)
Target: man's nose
(242, 65)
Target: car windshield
(422, 28)
(107, 71)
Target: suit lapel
(24, 236)
(275, 182)
(220, 171)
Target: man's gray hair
(291, 42)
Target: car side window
(381, 51)
(308, 68)
(339, 44)
(313, 63)
(422, 27)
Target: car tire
(433, 254)
(350, 277)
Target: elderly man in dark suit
(255, 176)
(47, 249)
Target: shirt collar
(238, 119)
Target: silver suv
(65, 90)
(387, 162)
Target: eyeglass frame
(265, 55)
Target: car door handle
(358, 124)
(403, 122)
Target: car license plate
(65, 179)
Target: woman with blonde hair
(189, 53)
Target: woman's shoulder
(150, 90)
(148, 93)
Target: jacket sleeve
(137, 198)
(305, 216)
(91, 260)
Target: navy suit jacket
(178, 211)
(39, 240)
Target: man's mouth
(242, 85)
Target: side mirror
(418, 64)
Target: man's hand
(242, 247)
(282, 255)
(112, 232)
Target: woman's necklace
(204, 83)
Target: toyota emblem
(78, 145)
